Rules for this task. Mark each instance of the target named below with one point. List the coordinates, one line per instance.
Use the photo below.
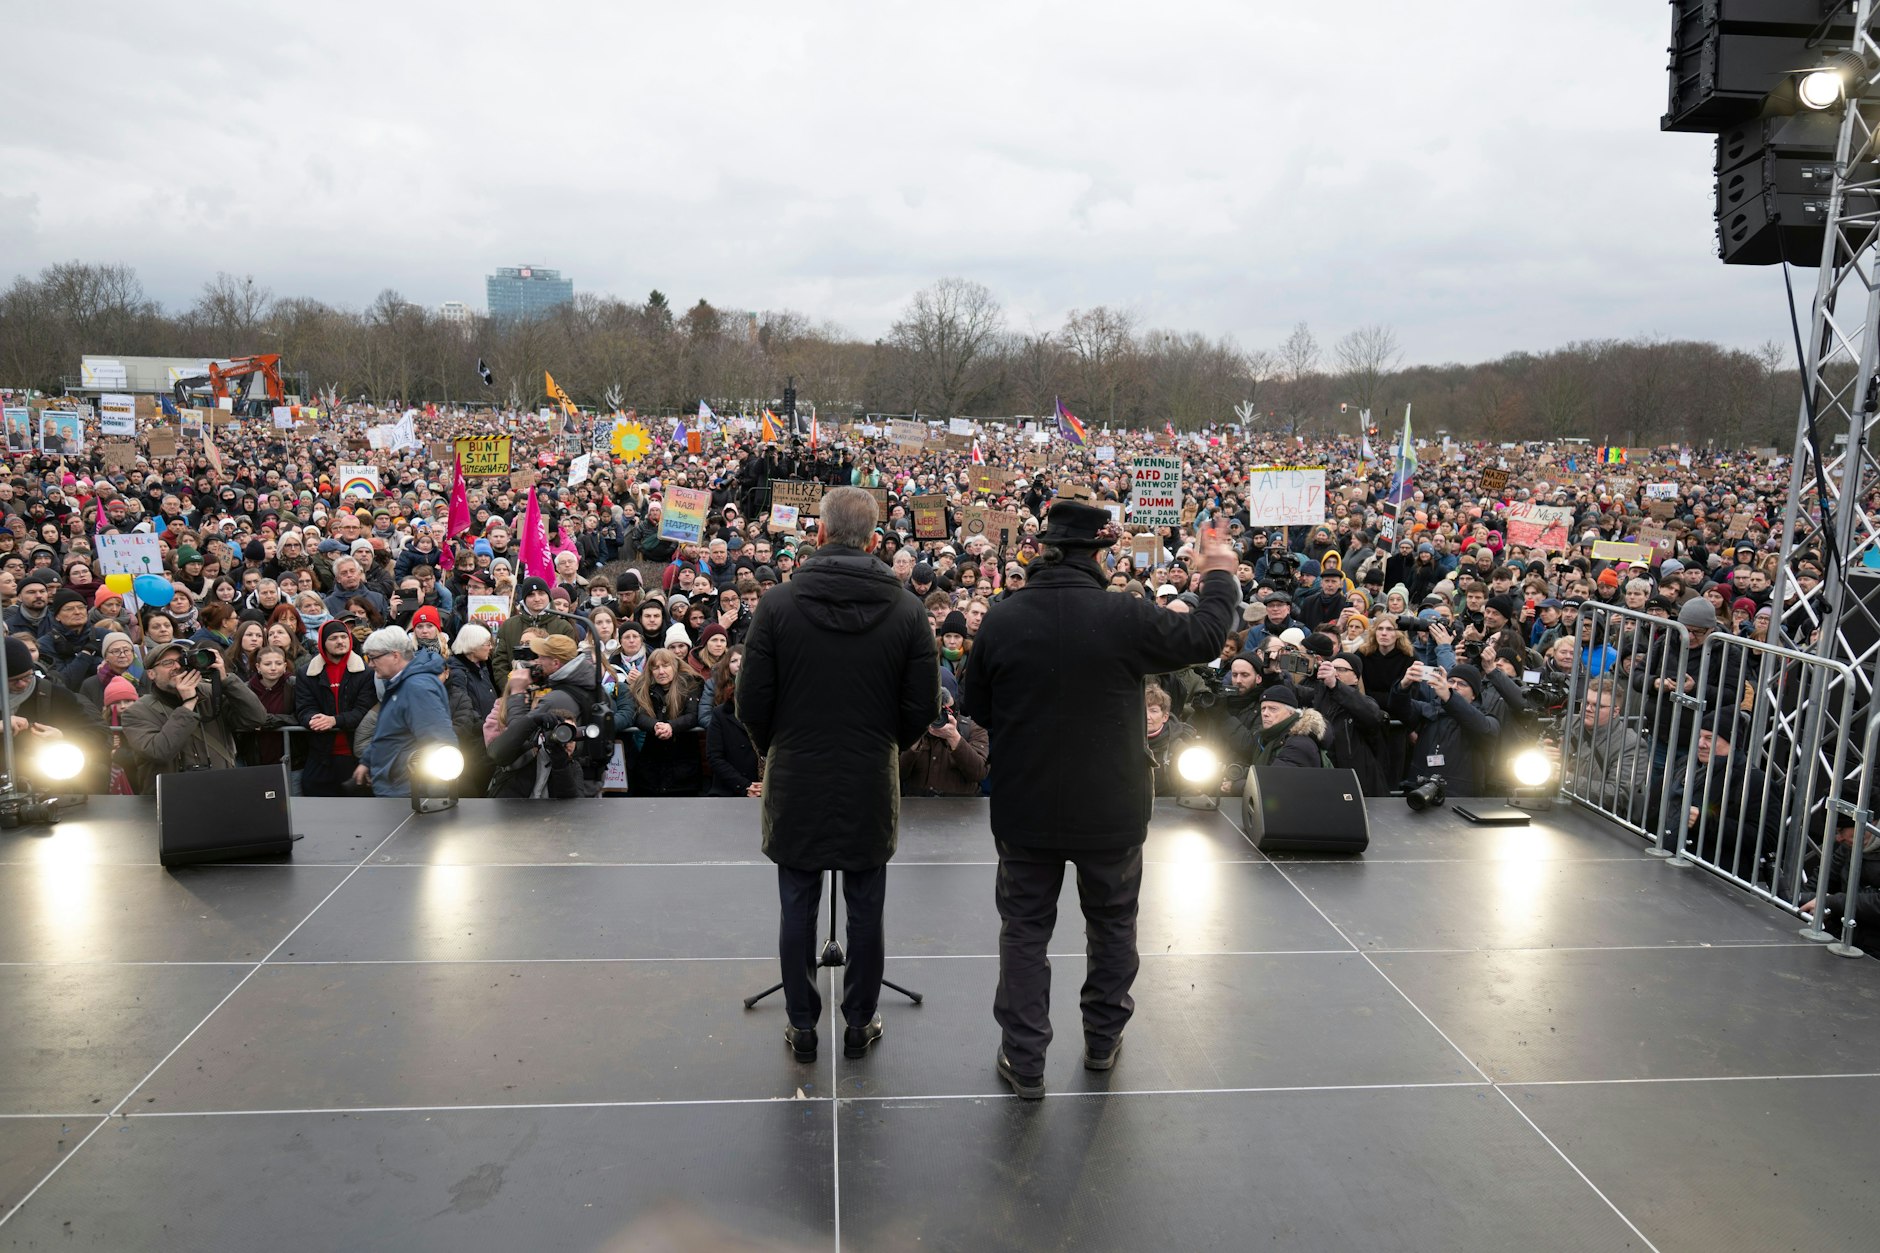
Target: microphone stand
(832, 955)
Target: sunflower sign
(631, 441)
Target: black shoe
(855, 1040)
(1094, 1060)
(802, 1041)
(1025, 1089)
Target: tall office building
(454, 311)
(527, 291)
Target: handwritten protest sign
(484, 456)
(805, 497)
(1539, 526)
(1614, 550)
(784, 517)
(1002, 527)
(129, 554)
(117, 415)
(1661, 491)
(1155, 494)
(683, 518)
(973, 522)
(1494, 481)
(1286, 496)
(907, 434)
(488, 611)
(930, 516)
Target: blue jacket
(415, 710)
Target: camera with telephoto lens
(1298, 663)
(201, 660)
(569, 732)
(1410, 624)
(28, 810)
(1427, 794)
(1203, 698)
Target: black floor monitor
(224, 815)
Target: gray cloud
(1487, 177)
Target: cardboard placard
(162, 441)
(1145, 552)
(957, 443)
(442, 450)
(784, 517)
(523, 480)
(1002, 526)
(930, 516)
(1539, 526)
(1739, 525)
(881, 503)
(1494, 481)
(1155, 495)
(484, 456)
(973, 522)
(1658, 537)
(118, 456)
(981, 478)
(1034, 460)
(806, 497)
(1615, 550)
(1663, 510)
(147, 407)
(904, 434)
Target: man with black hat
(1279, 618)
(1289, 735)
(531, 611)
(43, 709)
(190, 717)
(1057, 679)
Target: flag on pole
(457, 521)
(705, 416)
(555, 393)
(770, 428)
(979, 458)
(534, 550)
(1170, 428)
(1406, 467)
(1068, 425)
(678, 432)
(483, 372)
(104, 523)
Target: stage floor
(519, 1026)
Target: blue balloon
(152, 589)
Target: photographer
(534, 753)
(1354, 723)
(1289, 735)
(949, 759)
(43, 709)
(1455, 740)
(191, 716)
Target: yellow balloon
(119, 583)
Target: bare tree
(1367, 356)
(950, 334)
(1297, 365)
(1102, 346)
(233, 310)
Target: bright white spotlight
(59, 761)
(440, 762)
(1198, 764)
(1532, 768)
(1820, 89)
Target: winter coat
(731, 756)
(840, 675)
(167, 737)
(313, 694)
(476, 683)
(668, 767)
(1455, 739)
(1057, 680)
(1293, 741)
(515, 751)
(930, 768)
(509, 634)
(414, 710)
(72, 656)
(1354, 727)
(51, 705)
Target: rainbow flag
(770, 428)
(1068, 425)
(1405, 471)
(1612, 456)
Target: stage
(519, 1026)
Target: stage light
(439, 762)
(1532, 768)
(1824, 88)
(59, 761)
(435, 769)
(1199, 764)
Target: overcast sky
(1484, 175)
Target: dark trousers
(799, 941)
(1109, 883)
(327, 775)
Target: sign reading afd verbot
(1155, 494)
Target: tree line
(953, 351)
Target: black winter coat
(1057, 679)
(668, 767)
(313, 694)
(840, 675)
(730, 754)
(1354, 731)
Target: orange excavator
(258, 384)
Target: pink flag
(534, 552)
(458, 520)
(104, 523)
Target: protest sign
(358, 480)
(973, 522)
(487, 611)
(1155, 493)
(960, 426)
(117, 415)
(805, 497)
(283, 418)
(118, 456)
(1663, 510)
(441, 450)
(1658, 537)
(881, 502)
(193, 421)
(1661, 491)
(1739, 525)
(684, 516)
(484, 456)
(784, 517)
(1145, 552)
(1106, 452)
(163, 441)
(1002, 528)
(906, 434)
(957, 443)
(60, 431)
(523, 480)
(1494, 481)
(144, 406)
(930, 516)
(19, 430)
(1614, 550)
(1286, 496)
(981, 478)
(129, 554)
(579, 468)
(1538, 526)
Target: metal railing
(1733, 755)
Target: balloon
(153, 589)
(119, 583)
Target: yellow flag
(555, 393)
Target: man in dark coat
(1057, 679)
(832, 797)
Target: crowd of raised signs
(255, 537)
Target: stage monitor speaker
(224, 815)
(1296, 809)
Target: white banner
(117, 415)
(959, 426)
(1155, 494)
(1286, 496)
(578, 469)
(129, 554)
(1661, 491)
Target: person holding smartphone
(1455, 739)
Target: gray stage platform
(518, 1026)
